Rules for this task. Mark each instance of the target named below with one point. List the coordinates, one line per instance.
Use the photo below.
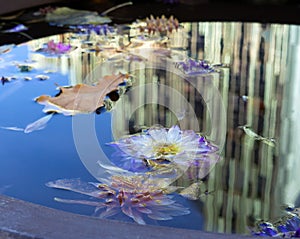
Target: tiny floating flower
(160, 25)
(98, 29)
(194, 67)
(56, 48)
(287, 226)
(135, 196)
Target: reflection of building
(243, 182)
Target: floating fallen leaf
(4, 80)
(25, 68)
(248, 131)
(42, 77)
(38, 125)
(194, 191)
(82, 98)
(27, 78)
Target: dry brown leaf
(82, 98)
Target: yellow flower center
(166, 149)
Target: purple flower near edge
(194, 67)
(57, 48)
(286, 227)
(98, 29)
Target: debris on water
(248, 131)
(6, 48)
(25, 68)
(42, 77)
(5, 80)
(17, 28)
(27, 78)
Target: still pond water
(242, 168)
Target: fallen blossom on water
(288, 226)
(98, 29)
(194, 67)
(160, 24)
(57, 48)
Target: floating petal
(38, 125)
(13, 128)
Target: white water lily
(166, 144)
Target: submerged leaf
(82, 98)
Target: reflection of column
(288, 185)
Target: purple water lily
(286, 227)
(194, 67)
(135, 196)
(98, 29)
(57, 48)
